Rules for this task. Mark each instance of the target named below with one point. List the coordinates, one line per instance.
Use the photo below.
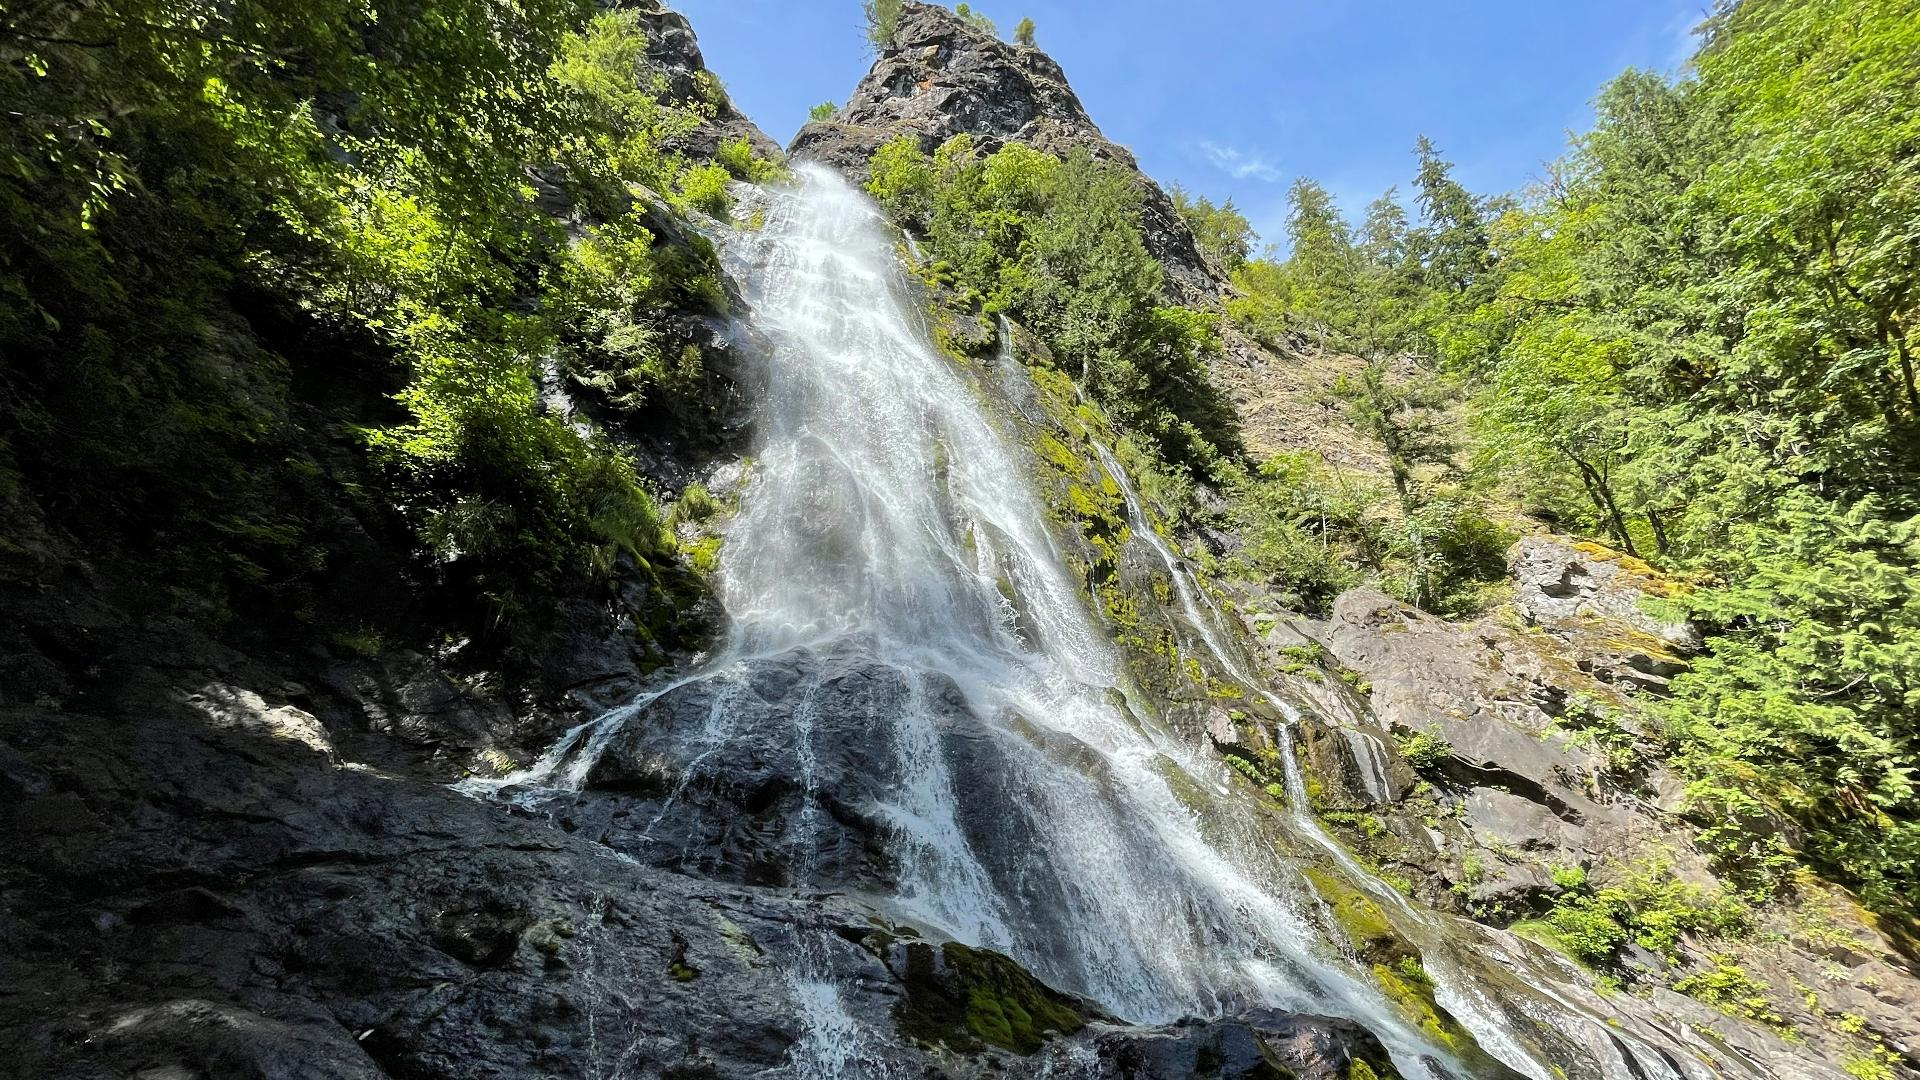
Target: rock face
(673, 49)
(1593, 599)
(195, 889)
(941, 77)
(1546, 770)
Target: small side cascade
(1455, 989)
(1370, 757)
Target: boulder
(1258, 1046)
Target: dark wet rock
(1353, 765)
(942, 77)
(716, 778)
(225, 902)
(967, 998)
(1263, 1046)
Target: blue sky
(1237, 99)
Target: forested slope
(1691, 343)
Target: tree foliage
(1697, 346)
(1058, 245)
(1694, 341)
(184, 181)
(977, 20)
(882, 22)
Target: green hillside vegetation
(233, 233)
(1693, 343)
(1057, 245)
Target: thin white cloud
(1240, 164)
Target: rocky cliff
(675, 54)
(941, 76)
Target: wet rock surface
(225, 900)
(1264, 1046)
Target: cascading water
(887, 538)
(1455, 989)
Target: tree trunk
(1659, 531)
(1603, 496)
(1906, 371)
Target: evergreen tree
(1451, 242)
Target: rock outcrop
(675, 53)
(942, 76)
(1542, 768)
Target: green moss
(360, 642)
(1411, 991)
(702, 554)
(1363, 921)
(966, 997)
(1395, 963)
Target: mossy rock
(1398, 971)
(1363, 921)
(972, 998)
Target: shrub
(1298, 523)
(1727, 987)
(738, 158)
(1649, 907)
(1424, 750)
(1441, 553)
(1023, 33)
(883, 20)
(976, 20)
(826, 110)
(704, 188)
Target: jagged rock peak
(674, 50)
(942, 76)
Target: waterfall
(1455, 988)
(888, 536)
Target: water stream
(1455, 988)
(888, 531)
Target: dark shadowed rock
(1261, 1046)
